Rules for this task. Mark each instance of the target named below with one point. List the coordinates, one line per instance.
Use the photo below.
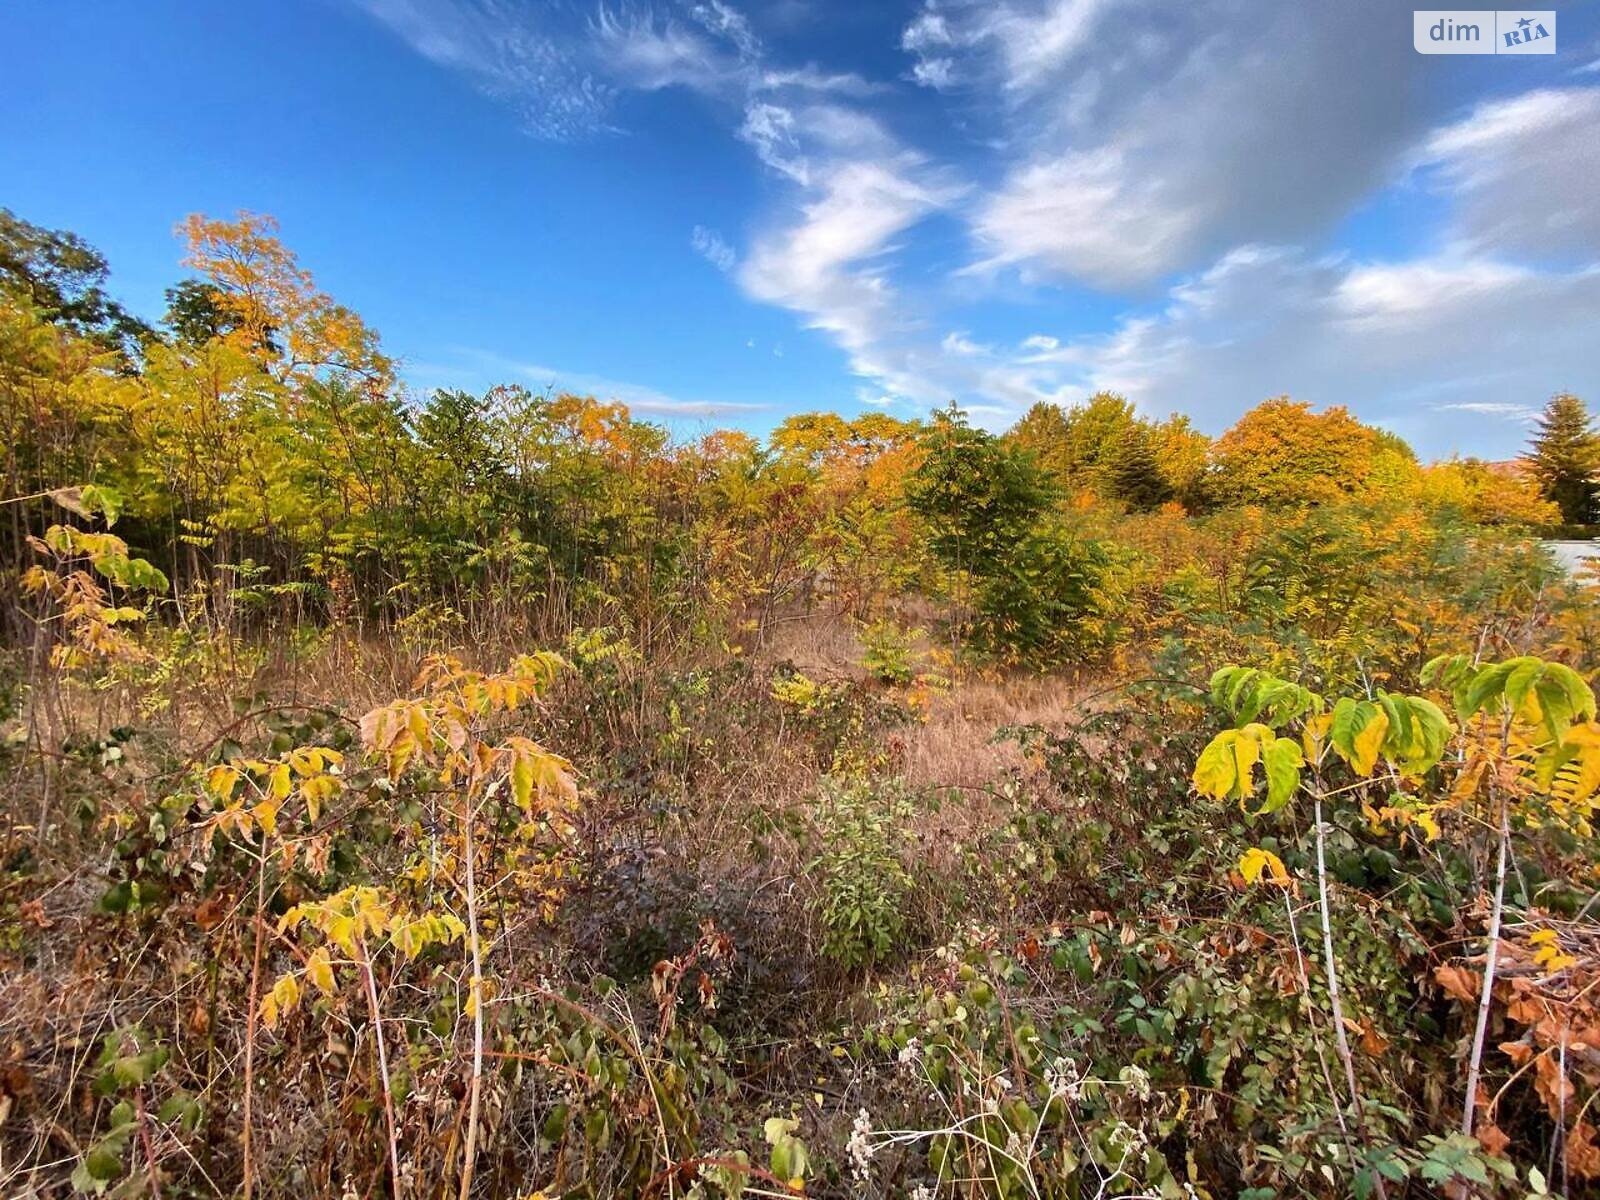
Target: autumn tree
(1182, 452)
(1044, 432)
(1132, 471)
(1034, 584)
(1282, 454)
(1566, 458)
(1103, 446)
(978, 493)
(64, 404)
(1488, 493)
(64, 277)
(811, 438)
(1075, 446)
(268, 305)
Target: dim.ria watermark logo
(1484, 31)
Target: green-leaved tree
(1566, 458)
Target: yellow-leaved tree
(448, 744)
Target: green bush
(889, 651)
(1053, 600)
(1040, 590)
(863, 884)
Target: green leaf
(1282, 760)
(1486, 686)
(1357, 733)
(104, 1162)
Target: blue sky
(726, 213)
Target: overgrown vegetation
(490, 795)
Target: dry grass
(956, 746)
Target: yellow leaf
(318, 789)
(341, 931)
(407, 938)
(221, 780)
(1368, 742)
(1315, 734)
(278, 781)
(285, 994)
(1255, 862)
(1225, 766)
(320, 971)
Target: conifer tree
(1133, 471)
(1566, 458)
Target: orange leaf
(1460, 983)
(1583, 1155)
(1493, 1139)
(1552, 1084)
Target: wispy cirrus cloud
(1183, 156)
(1521, 172)
(489, 368)
(711, 246)
(518, 54)
(1521, 413)
(562, 64)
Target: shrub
(1052, 601)
(889, 651)
(863, 883)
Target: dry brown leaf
(208, 914)
(1492, 1138)
(1372, 1042)
(1552, 1085)
(1583, 1155)
(1460, 983)
(1518, 1052)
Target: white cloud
(728, 22)
(937, 73)
(1139, 140)
(873, 397)
(1396, 342)
(1127, 146)
(956, 342)
(929, 30)
(646, 53)
(1522, 413)
(711, 245)
(811, 78)
(562, 65)
(1086, 214)
(511, 53)
(1029, 40)
(828, 264)
(770, 129)
(1523, 172)
(489, 368)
